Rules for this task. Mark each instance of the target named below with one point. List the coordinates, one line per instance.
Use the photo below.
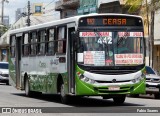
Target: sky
(11, 7)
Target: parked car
(4, 72)
(152, 82)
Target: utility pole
(2, 12)
(28, 18)
(27, 14)
(149, 39)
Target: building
(67, 8)
(5, 20)
(18, 14)
(99, 6)
(87, 6)
(156, 61)
(39, 13)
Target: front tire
(120, 99)
(64, 97)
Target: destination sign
(110, 21)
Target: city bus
(88, 55)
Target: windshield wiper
(121, 40)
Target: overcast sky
(11, 7)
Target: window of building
(38, 9)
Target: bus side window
(25, 45)
(51, 42)
(62, 40)
(41, 48)
(12, 48)
(33, 41)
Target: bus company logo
(114, 81)
(42, 64)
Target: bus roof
(65, 21)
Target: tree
(3, 29)
(148, 7)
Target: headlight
(134, 80)
(92, 81)
(81, 76)
(138, 79)
(85, 79)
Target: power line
(49, 10)
(49, 3)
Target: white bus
(89, 55)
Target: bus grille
(153, 80)
(112, 82)
(5, 75)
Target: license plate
(152, 87)
(114, 88)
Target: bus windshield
(110, 48)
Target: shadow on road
(80, 101)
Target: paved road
(10, 97)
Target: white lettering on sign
(130, 34)
(128, 58)
(95, 34)
(106, 40)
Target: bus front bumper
(83, 88)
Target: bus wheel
(27, 88)
(120, 99)
(64, 97)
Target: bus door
(71, 58)
(18, 60)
